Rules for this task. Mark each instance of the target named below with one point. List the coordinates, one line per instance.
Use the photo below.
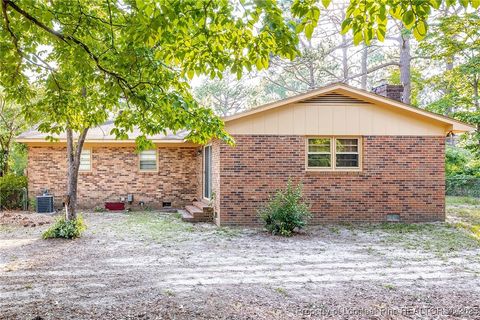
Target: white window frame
(140, 161)
(204, 173)
(84, 150)
(333, 153)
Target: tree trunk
(311, 76)
(74, 152)
(405, 65)
(476, 102)
(4, 155)
(364, 77)
(476, 97)
(345, 59)
(5, 168)
(449, 67)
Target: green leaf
(309, 30)
(381, 33)
(259, 64)
(436, 3)
(408, 19)
(326, 3)
(346, 25)
(420, 30)
(396, 12)
(357, 38)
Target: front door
(207, 172)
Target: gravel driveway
(151, 265)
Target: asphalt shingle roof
(102, 132)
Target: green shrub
(286, 211)
(67, 229)
(463, 186)
(13, 191)
(32, 204)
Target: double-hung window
(320, 153)
(148, 160)
(334, 153)
(85, 160)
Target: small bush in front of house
(12, 191)
(67, 229)
(286, 211)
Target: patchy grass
(5, 228)
(389, 286)
(450, 200)
(464, 213)
(169, 293)
(156, 225)
(460, 232)
(227, 232)
(281, 291)
(439, 238)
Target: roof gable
(342, 94)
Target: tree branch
(66, 39)
(373, 69)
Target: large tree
(131, 60)
(11, 124)
(456, 44)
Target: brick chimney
(391, 91)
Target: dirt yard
(151, 265)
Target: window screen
(85, 160)
(148, 160)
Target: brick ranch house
(361, 157)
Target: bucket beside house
(115, 206)
(119, 205)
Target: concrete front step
(201, 205)
(186, 216)
(193, 210)
(198, 212)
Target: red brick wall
(216, 187)
(115, 173)
(401, 175)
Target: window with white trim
(85, 160)
(333, 153)
(148, 160)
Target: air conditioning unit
(45, 203)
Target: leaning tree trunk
(448, 68)
(3, 162)
(345, 59)
(405, 65)
(74, 152)
(476, 101)
(4, 155)
(364, 61)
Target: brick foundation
(401, 175)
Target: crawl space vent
(393, 217)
